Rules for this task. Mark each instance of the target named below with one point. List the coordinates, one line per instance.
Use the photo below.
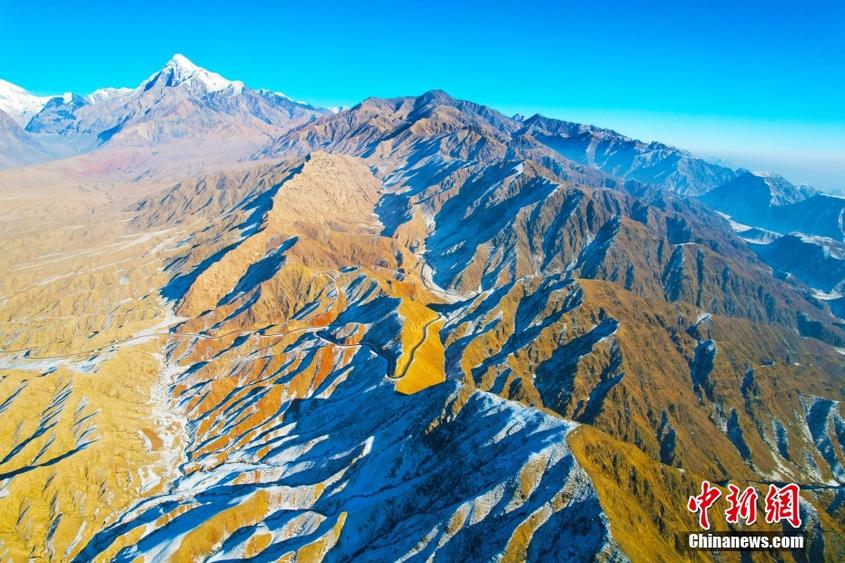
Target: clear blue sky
(761, 84)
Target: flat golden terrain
(85, 430)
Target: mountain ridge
(620, 156)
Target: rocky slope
(17, 147)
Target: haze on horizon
(754, 85)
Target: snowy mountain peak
(182, 61)
(180, 70)
(19, 104)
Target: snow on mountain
(180, 102)
(105, 94)
(19, 104)
(266, 92)
(748, 197)
(179, 70)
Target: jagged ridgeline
(412, 329)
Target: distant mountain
(818, 261)
(651, 163)
(764, 208)
(757, 188)
(751, 198)
(180, 101)
(815, 261)
(183, 118)
(19, 104)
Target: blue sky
(760, 84)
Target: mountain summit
(179, 71)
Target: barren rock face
(413, 329)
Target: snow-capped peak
(180, 70)
(105, 94)
(19, 104)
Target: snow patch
(19, 104)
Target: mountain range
(412, 329)
(181, 110)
